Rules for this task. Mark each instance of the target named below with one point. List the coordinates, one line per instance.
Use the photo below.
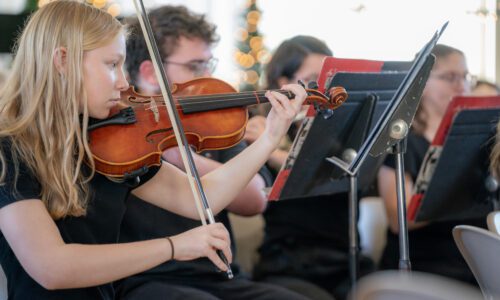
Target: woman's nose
(462, 87)
(122, 83)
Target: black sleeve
(146, 177)
(413, 157)
(12, 189)
(225, 155)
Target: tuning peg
(313, 85)
(301, 83)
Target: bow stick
(187, 158)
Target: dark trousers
(234, 289)
(303, 287)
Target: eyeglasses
(197, 67)
(454, 78)
(306, 80)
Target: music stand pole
(353, 230)
(347, 157)
(399, 130)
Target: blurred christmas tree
(108, 5)
(31, 5)
(251, 53)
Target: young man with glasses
(185, 40)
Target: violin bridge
(154, 109)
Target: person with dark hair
(176, 30)
(185, 40)
(298, 58)
(306, 244)
(485, 88)
(431, 245)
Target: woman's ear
(59, 59)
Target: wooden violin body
(137, 132)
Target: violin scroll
(336, 97)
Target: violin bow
(192, 173)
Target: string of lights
(251, 53)
(110, 6)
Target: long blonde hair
(39, 106)
(495, 155)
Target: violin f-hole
(163, 132)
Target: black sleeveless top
(432, 247)
(101, 225)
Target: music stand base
(404, 265)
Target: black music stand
(457, 187)
(399, 66)
(341, 135)
(345, 131)
(390, 132)
(375, 90)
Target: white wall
(386, 29)
(12, 7)
(372, 29)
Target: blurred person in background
(431, 245)
(306, 244)
(485, 88)
(185, 41)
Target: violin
(213, 114)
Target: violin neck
(220, 101)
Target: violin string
(240, 101)
(250, 93)
(209, 101)
(237, 93)
(208, 105)
(229, 96)
(223, 98)
(190, 102)
(218, 96)
(216, 101)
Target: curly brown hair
(169, 23)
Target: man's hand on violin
(283, 112)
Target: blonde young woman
(59, 219)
